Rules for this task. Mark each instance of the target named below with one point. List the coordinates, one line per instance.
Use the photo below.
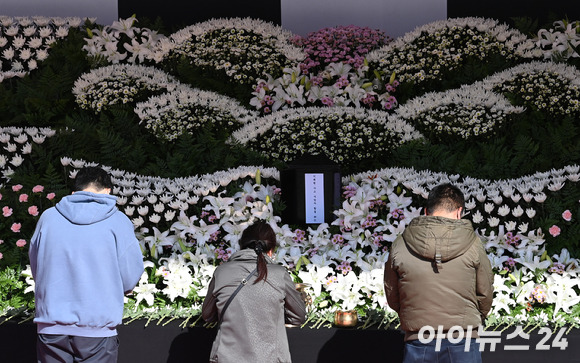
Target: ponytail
(262, 239)
(261, 261)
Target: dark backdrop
(504, 10)
(177, 14)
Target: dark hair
(92, 176)
(261, 238)
(445, 197)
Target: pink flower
(16, 227)
(1, 256)
(33, 210)
(0, 196)
(23, 198)
(37, 189)
(567, 215)
(16, 187)
(7, 211)
(555, 231)
(50, 196)
(1, 241)
(21, 243)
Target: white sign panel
(314, 194)
(106, 11)
(394, 17)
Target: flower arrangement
(339, 84)
(188, 225)
(25, 41)
(241, 49)
(561, 41)
(345, 135)
(467, 112)
(122, 42)
(120, 84)
(343, 261)
(154, 202)
(188, 110)
(530, 287)
(18, 144)
(431, 52)
(542, 86)
(21, 207)
(344, 44)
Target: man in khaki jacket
(439, 280)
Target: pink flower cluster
(558, 268)
(512, 239)
(338, 239)
(555, 230)
(538, 295)
(346, 44)
(300, 235)
(345, 267)
(17, 213)
(349, 191)
(509, 264)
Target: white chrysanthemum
(344, 134)
(119, 83)
(187, 110)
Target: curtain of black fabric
(544, 11)
(177, 14)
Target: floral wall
(195, 126)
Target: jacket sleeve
(391, 282)
(33, 248)
(484, 282)
(294, 305)
(209, 310)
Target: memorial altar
(173, 344)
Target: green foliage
(114, 138)
(207, 79)
(526, 145)
(567, 198)
(12, 294)
(526, 25)
(201, 153)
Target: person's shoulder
(120, 217)
(277, 266)
(49, 213)
(277, 269)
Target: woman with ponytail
(264, 299)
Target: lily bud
(258, 177)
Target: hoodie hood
(439, 239)
(86, 207)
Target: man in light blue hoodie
(84, 257)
